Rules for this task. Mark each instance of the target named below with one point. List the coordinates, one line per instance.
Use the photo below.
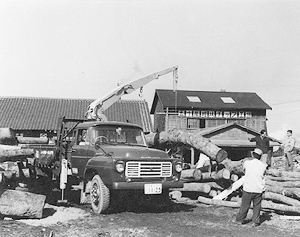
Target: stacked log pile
(221, 183)
(15, 173)
(282, 190)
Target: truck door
(80, 152)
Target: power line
(288, 102)
(285, 113)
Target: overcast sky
(82, 49)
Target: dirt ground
(150, 221)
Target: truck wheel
(100, 195)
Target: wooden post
(167, 119)
(192, 156)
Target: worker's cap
(258, 151)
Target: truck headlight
(178, 167)
(120, 166)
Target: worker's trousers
(247, 198)
(288, 160)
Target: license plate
(152, 188)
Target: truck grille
(148, 169)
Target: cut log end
(221, 155)
(21, 204)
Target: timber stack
(16, 172)
(221, 182)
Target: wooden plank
(231, 189)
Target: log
(235, 167)
(214, 185)
(282, 179)
(217, 202)
(213, 193)
(279, 173)
(9, 147)
(194, 174)
(289, 218)
(206, 168)
(21, 204)
(7, 137)
(235, 199)
(266, 205)
(15, 155)
(33, 140)
(234, 177)
(194, 187)
(216, 175)
(221, 174)
(191, 138)
(9, 174)
(289, 192)
(175, 194)
(269, 205)
(290, 184)
(11, 169)
(281, 198)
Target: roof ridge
(39, 97)
(59, 98)
(210, 91)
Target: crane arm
(97, 107)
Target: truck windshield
(119, 135)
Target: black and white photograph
(149, 118)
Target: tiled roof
(24, 113)
(208, 100)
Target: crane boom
(97, 107)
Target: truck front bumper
(140, 185)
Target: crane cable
(175, 81)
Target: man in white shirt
(288, 146)
(204, 160)
(253, 188)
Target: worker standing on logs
(263, 143)
(288, 146)
(253, 188)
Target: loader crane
(114, 158)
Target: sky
(84, 48)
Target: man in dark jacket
(263, 143)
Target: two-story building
(228, 119)
(204, 109)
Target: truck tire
(100, 195)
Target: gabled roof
(208, 100)
(24, 113)
(227, 126)
(212, 134)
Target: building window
(202, 123)
(193, 123)
(193, 98)
(227, 100)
